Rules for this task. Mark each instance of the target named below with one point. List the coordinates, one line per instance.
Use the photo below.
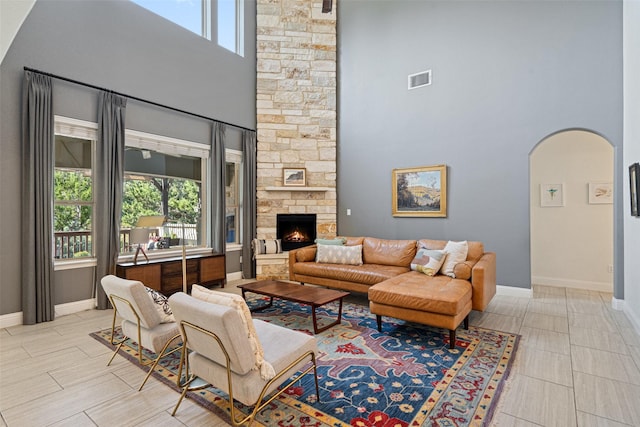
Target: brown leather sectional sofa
(396, 291)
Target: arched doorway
(571, 211)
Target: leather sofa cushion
(414, 290)
(368, 274)
(398, 253)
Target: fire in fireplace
(296, 230)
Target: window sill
(232, 247)
(72, 264)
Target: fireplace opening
(296, 230)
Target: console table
(165, 275)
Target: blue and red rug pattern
(405, 375)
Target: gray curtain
(218, 184)
(249, 210)
(37, 199)
(108, 186)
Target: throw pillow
(162, 305)
(239, 304)
(334, 254)
(463, 270)
(337, 241)
(428, 261)
(456, 253)
(266, 246)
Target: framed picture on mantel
(294, 177)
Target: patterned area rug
(404, 376)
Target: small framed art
(294, 177)
(600, 193)
(551, 195)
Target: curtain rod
(66, 79)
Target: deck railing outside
(78, 244)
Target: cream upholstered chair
(221, 354)
(140, 320)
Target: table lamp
(140, 236)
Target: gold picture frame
(294, 177)
(420, 192)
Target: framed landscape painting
(420, 191)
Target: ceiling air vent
(420, 79)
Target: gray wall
(123, 47)
(506, 74)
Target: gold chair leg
(113, 332)
(182, 395)
(315, 375)
(155, 363)
(160, 356)
(114, 353)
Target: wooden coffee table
(310, 295)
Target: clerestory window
(194, 15)
(230, 25)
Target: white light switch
(348, 212)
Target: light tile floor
(577, 364)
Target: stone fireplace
(296, 119)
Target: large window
(194, 15)
(73, 188)
(230, 25)
(165, 179)
(233, 192)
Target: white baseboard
(513, 292)
(11, 319)
(574, 284)
(234, 276)
(15, 319)
(617, 304)
(633, 317)
(75, 307)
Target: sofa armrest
(483, 281)
(306, 254)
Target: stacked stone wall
(296, 111)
